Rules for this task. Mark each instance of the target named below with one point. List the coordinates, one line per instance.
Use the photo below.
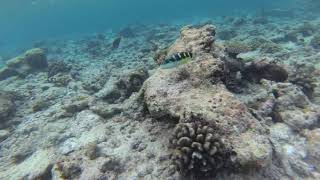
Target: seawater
(23, 22)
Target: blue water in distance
(26, 21)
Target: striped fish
(177, 57)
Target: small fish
(116, 43)
(181, 57)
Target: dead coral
(270, 47)
(112, 164)
(125, 86)
(67, 170)
(233, 48)
(40, 104)
(257, 70)
(7, 107)
(91, 150)
(194, 40)
(265, 46)
(94, 47)
(31, 61)
(60, 79)
(160, 56)
(57, 67)
(227, 34)
(306, 29)
(304, 76)
(315, 41)
(199, 149)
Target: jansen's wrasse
(177, 57)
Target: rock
(257, 70)
(76, 106)
(31, 61)
(4, 134)
(7, 107)
(36, 58)
(306, 29)
(291, 151)
(315, 42)
(67, 170)
(227, 34)
(91, 150)
(69, 146)
(60, 79)
(40, 104)
(233, 48)
(294, 108)
(249, 56)
(123, 88)
(37, 166)
(112, 164)
(201, 98)
(264, 45)
(194, 40)
(304, 75)
(58, 67)
(313, 146)
(255, 151)
(105, 110)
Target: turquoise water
(23, 22)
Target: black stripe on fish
(183, 55)
(178, 57)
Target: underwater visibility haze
(150, 89)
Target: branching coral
(199, 150)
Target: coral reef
(93, 112)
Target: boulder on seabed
(33, 60)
